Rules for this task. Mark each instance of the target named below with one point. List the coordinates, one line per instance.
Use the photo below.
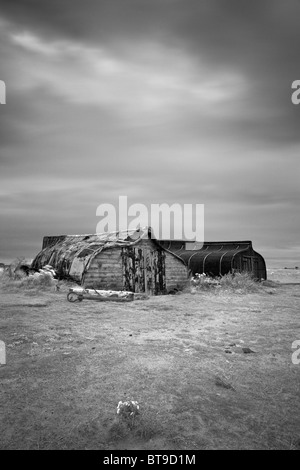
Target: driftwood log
(79, 293)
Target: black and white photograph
(149, 227)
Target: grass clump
(243, 282)
(236, 282)
(16, 277)
(204, 282)
(130, 422)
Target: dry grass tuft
(144, 427)
(36, 281)
(241, 283)
(15, 278)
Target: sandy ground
(181, 357)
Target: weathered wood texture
(176, 272)
(78, 293)
(126, 260)
(144, 267)
(52, 240)
(105, 271)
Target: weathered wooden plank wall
(143, 267)
(176, 272)
(105, 271)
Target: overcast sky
(185, 101)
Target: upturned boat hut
(130, 260)
(219, 258)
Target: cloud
(165, 101)
(32, 43)
(87, 75)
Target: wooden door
(133, 269)
(144, 270)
